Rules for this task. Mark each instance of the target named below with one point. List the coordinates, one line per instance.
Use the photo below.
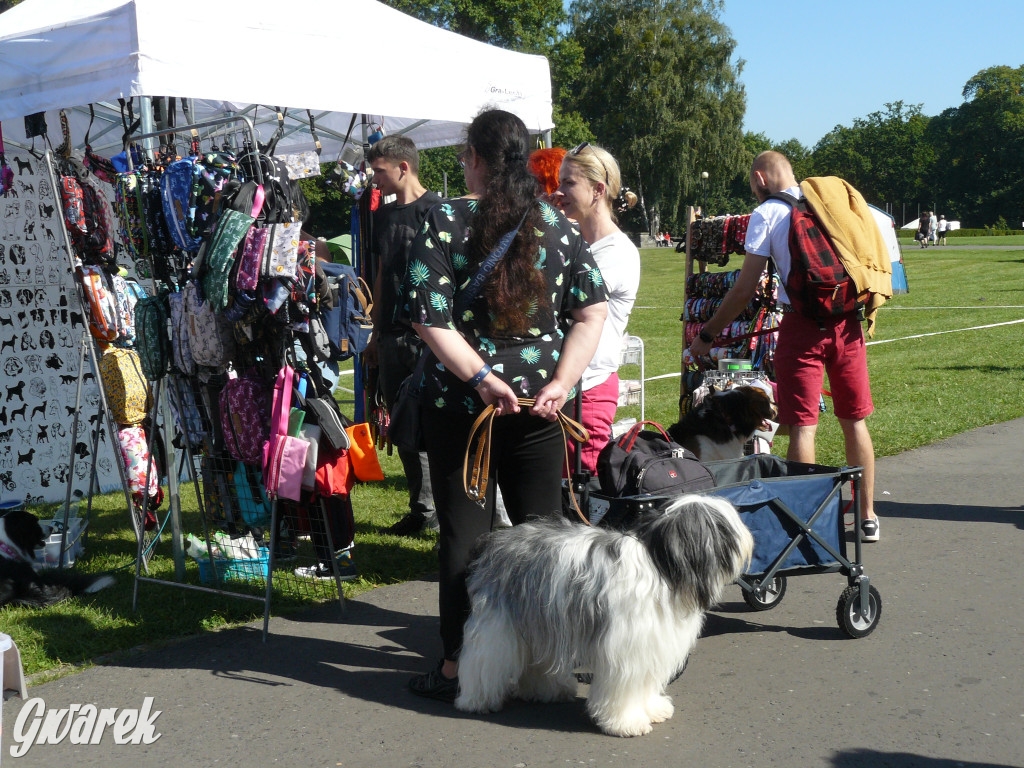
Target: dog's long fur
(548, 596)
(723, 423)
(20, 584)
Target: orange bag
(363, 453)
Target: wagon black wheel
(848, 613)
(774, 591)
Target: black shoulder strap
(791, 200)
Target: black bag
(323, 411)
(404, 430)
(284, 201)
(643, 461)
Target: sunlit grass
(924, 389)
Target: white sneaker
(317, 571)
(322, 571)
(869, 530)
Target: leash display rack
(762, 308)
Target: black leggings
(527, 454)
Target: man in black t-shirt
(395, 347)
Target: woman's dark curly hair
(516, 287)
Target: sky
(811, 65)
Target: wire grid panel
(232, 515)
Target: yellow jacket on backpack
(858, 243)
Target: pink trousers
(598, 413)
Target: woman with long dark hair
(530, 332)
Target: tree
(885, 155)
(980, 149)
(519, 25)
(661, 93)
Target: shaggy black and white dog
(722, 424)
(550, 595)
(20, 584)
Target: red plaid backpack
(818, 285)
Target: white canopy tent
(229, 56)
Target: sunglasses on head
(583, 145)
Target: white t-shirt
(942, 225)
(619, 262)
(768, 236)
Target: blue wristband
(480, 376)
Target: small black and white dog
(724, 422)
(20, 584)
(549, 595)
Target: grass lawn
(925, 388)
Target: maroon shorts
(804, 351)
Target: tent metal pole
(147, 124)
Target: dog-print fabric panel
(41, 324)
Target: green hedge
(908, 234)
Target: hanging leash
(475, 474)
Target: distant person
(922, 235)
(943, 227)
(933, 227)
(395, 348)
(806, 348)
(590, 192)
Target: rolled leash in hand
(475, 475)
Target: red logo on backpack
(818, 285)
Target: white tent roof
(334, 58)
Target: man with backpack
(395, 347)
(820, 331)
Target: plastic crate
(240, 569)
(632, 351)
(629, 392)
(48, 556)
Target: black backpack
(284, 201)
(648, 462)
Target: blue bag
(347, 323)
(253, 504)
(176, 187)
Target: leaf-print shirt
(439, 268)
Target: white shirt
(942, 225)
(768, 236)
(619, 262)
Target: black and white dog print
(43, 320)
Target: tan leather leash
(475, 476)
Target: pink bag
(135, 452)
(284, 457)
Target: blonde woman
(590, 191)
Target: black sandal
(434, 685)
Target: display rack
(276, 546)
(751, 336)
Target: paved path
(938, 684)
